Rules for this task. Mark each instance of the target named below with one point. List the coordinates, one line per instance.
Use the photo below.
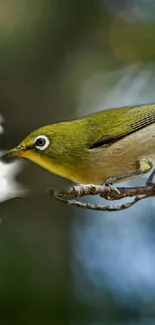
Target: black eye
(40, 142)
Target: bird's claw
(108, 188)
(113, 188)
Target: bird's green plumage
(131, 132)
(118, 122)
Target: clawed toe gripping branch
(113, 194)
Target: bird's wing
(122, 122)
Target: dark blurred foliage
(59, 60)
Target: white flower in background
(9, 187)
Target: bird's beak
(15, 152)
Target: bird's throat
(48, 163)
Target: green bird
(117, 143)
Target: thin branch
(110, 193)
(98, 207)
(106, 192)
(113, 194)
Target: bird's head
(36, 143)
(46, 147)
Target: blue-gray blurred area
(60, 60)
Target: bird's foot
(108, 188)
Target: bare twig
(119, 193)
(112, 194)
(98, 207)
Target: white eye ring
(44, 142)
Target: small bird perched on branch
(115, 144)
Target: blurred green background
(60, 60)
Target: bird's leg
(151, 180)
(144, 165)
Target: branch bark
(107, 192)
(110, 193)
